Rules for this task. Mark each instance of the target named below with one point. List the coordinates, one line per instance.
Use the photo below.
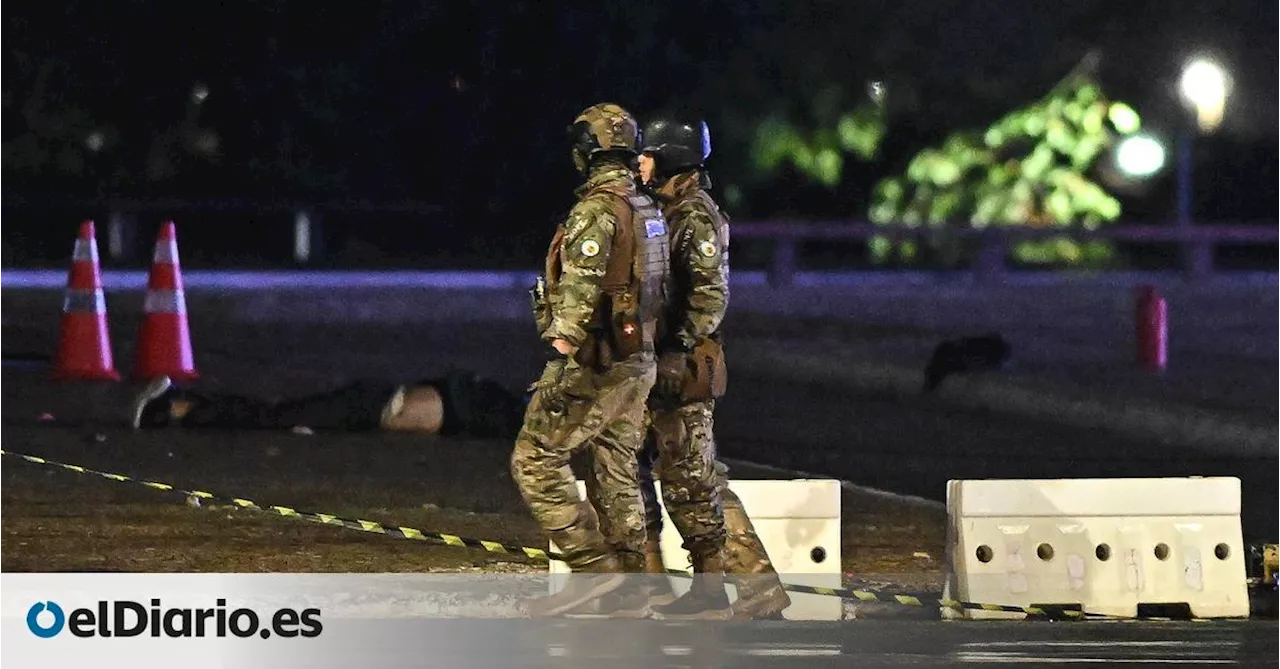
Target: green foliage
(1028, 168)
(818, 154)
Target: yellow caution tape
(414, 534)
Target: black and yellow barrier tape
(401, 532)
(371, 526)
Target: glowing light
(1204, 84)
(1140, 156)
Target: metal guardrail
(1196, 242)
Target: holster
(626, 332)
(706, 375)
(594, 353)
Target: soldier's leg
(688, 475)
(612, 479)
(613, 488)
(691, 493)
(760, 592)
(648, 492)
(556, 424)
(660, 591)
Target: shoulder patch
(592, 206)
(707, 248)
(590, 248)
(589, 214)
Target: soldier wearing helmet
(691, 376)
(596, 309)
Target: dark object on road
(460, 403)
(967, 354)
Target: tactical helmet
(677, 143)
(602, 127)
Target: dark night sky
(465, 103)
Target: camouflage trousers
(695, 491)
(572, 410)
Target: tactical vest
(635, 281)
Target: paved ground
(458, 486)
(914, 447)
(832, 427)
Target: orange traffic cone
(84, 343)
(164, 343)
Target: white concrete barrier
(1107, 545)
(798, 522)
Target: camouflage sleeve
(700, 252)
(588, 241)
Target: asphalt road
(879, 441)
(621, 644)
(903, 445)
(882, 441)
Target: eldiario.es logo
(125, 618)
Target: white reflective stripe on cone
(86, 250)
(165, 302)
(92, 301)
(166, 252)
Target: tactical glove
(552, 382)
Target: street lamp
(1204, 87)
(1140, 156)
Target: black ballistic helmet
(676, 144)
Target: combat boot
(660, 592)
(760, 597)
(760, 592)
(590, 582)
(629, 600)
(706, 598)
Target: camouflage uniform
(695, 489)
(683, 435)
(593, 400)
